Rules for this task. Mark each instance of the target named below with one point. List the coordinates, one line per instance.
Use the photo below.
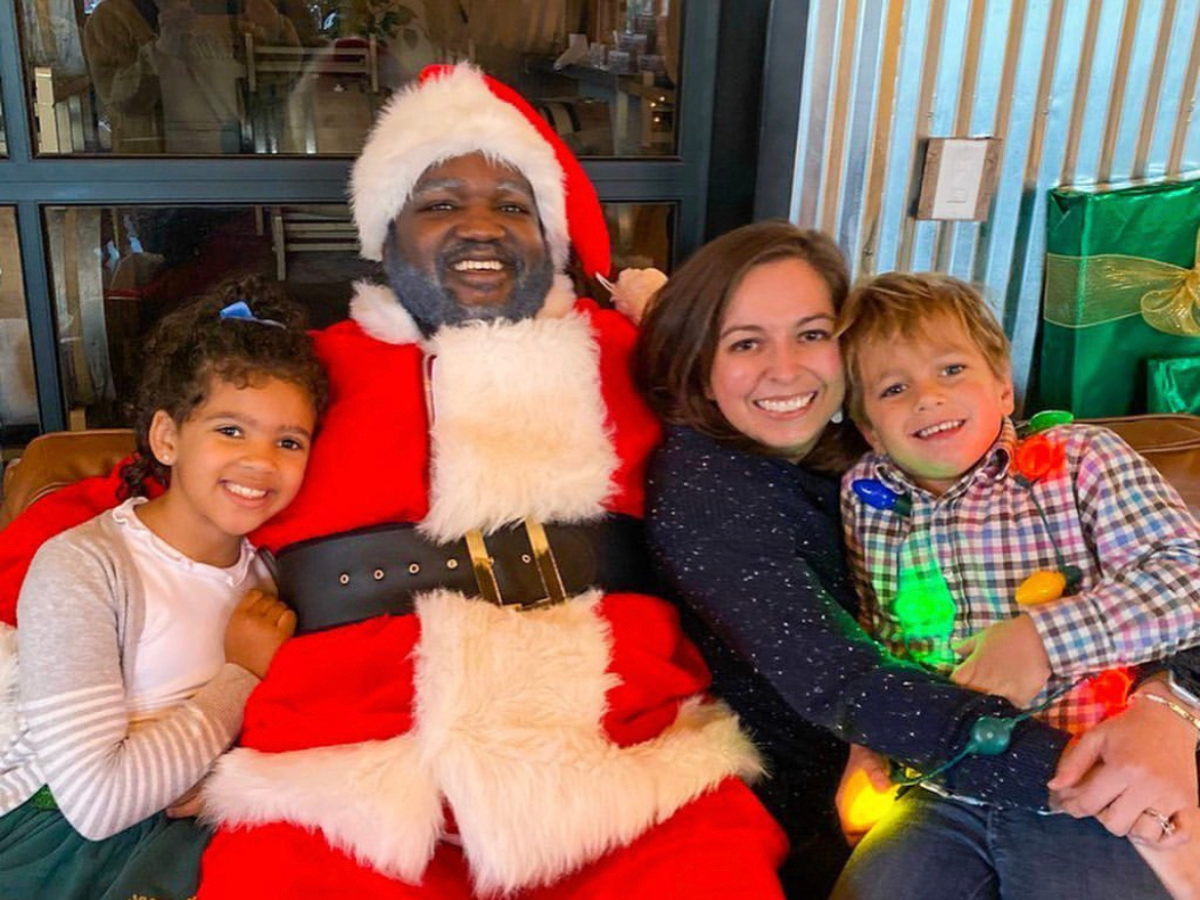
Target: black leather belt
(359, 574)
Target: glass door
(155, 147)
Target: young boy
(968, 513)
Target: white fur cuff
(374, 800)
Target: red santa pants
(722, 845)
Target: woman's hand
(1177, 866)
(867, 771)
(1142, 759)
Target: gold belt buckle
(543, 556)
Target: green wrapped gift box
(1122, 288)
(1173, 385)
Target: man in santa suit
(481, 698)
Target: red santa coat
(540, 741)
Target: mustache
(461, 250)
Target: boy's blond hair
(907, 306)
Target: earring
(837, 416)
(168, 459)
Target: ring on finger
(1164, 822)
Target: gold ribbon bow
(1090, 290)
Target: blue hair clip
(241, 311)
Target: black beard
(432, 306)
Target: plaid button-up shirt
(1107, 511)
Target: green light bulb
(925, 609)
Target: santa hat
(456, 110)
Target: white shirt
(182, 644)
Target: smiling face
(777, 374)
(237, 460)
(468, 245)
(932, 402)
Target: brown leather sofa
(57, 459)
(1170, 442)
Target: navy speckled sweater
(752, 546)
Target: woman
(738, 356)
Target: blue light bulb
(878, 495)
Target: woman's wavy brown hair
(192, 345)
(678, 338)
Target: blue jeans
(932, 848)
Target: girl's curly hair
(193, 344)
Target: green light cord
(985, 743)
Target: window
(80, 196)
(218, 77)
(18, 392)
(115, 270)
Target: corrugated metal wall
(1081, 91)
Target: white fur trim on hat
(439, 119)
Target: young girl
(142, 632)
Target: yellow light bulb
(865, 805)
(1041, 587)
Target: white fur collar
(519, 426)
(379, 313)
